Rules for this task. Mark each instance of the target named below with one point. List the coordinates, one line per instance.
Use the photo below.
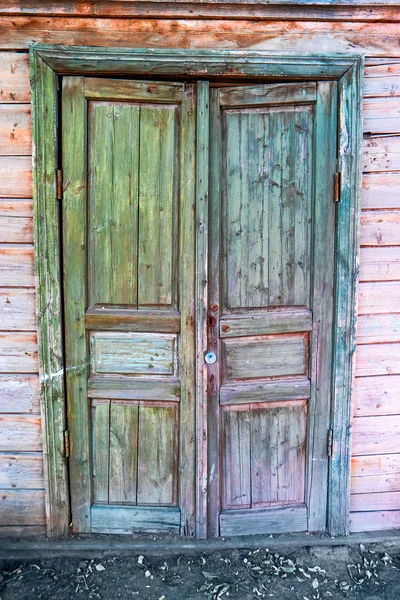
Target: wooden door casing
(272, 241)
(128, 255)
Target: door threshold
(98, 545)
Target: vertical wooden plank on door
(101, 449)
(202, 172)
(48, 293)
(123, 452)
(74, 135)
(113, 203)
(187, 347)
(264, 455)
(157, 455)
(157, 207)
(325, 144)
(214, 303)
(236, 453)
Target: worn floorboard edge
(99, 545)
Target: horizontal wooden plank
(267, 356)
(16, 230)
(23, 531)
(366, 467)
(263, 323)
(14, 77)
(380, 190)
(18, 353)
(15, 130)
(380, 264)
(124, 89)
(374, 521)
(22, 507)
(381, 153)
(125, 319)
(16, 207)
(20, 433)
(134, 389)
(133, 519)
(16, 265)
(263, 521)
(20, 394)
(17, 309)
(296, 388)
(382, 80)
(272, 94)
(358, 10)
(377, 359)
(375, 501)
(379, 297)
(380, 227)
(145, 354)
(379, 39)
(375, 435)
(375, 329)
(376, 396)
(375, 484)
(16, 177)
(381, 115)
(21, 471)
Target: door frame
(48, 62)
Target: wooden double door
(134, 349)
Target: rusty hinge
(330, 442)
(336, 192)
(59, 186)
(66, 443)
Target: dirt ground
(362, 572)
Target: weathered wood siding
(375, 32)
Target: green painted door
(128, 248)
(272, 223)
(129, 276)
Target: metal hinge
(330, 442)
(66, 443)
(59, 186)
(336, 192)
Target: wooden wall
(375, 501)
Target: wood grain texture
(138, 353)
(290, 321)
(16, 265)
(236, 458)
(271, 94)
(128, 388)
(382, 80)
(265, 357)
(381, 154)
(378, 359)
(23, 531)
(378, 328)
(135, 519)
(16, 230)
(14, 77)
(21, 471)
(380, 228)
(375, 501)
(380, 190)
(365, 467)
(381, 115)
(376, 396)
(17, 310)
(18, 353)
(15, 130)
(379, 297)
(16, 176)
(101, 450)
(262, 521)
(375, 435)
(123, 438)
(371, 485)
(22, 507)
(379, 264)
(124, 89)
(20, 393)
(157, 321)
(379, 39)
(295, 388)
(374, 521)
(20, 433)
